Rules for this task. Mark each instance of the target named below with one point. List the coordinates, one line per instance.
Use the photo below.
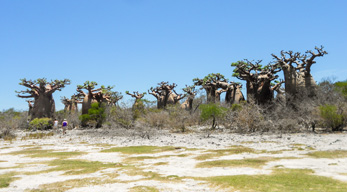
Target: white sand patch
(324, 167)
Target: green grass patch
(73, 183)
(75, 167)
(6, 179)
(143, 189)
(161, 163)
(293, 180)
(63, 154)
(139, 149)
(235, 163)
(149, 175)
(38, 152)
(222, 152)
(139, 158)
(328, 154)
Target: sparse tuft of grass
(39, 135)
(296, 180)
(139, 149)
(37, 152)
(222, 152)
(143, 189)
(73, 183)
(75, 167)
(328, 154)
(235, 163)
(139, 158)
(161, 163)
(6, 179)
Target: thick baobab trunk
(237, 95)
(44, 106)
(42, 91)
(217, 95)
(188, 103)
(210, 94)
(264, 93)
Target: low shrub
(119, 117)
(331, 117)
(212, 111)
(7, 134)
(158, 119)
(41, 124)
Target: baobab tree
(211, 85)
(258, 79)
(100, 95)
(42, 92)
(297, 71)
(138, 96)
(159, 95)
(188, 103)
(165, 94)
(71, 104)
(113, 97)
(233, 91)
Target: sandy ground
(180, 162)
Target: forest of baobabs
(294, 103)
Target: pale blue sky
(134, 44)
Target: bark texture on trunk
(42, 92)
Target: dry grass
(223, 152)
(76, 167)
(296, 180)
(6, 179)
(143, 189)
(255, 163)
(328, 154)
(39, 135)
(37, 152)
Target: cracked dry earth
(102, 160)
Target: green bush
(342, 86)
(41, 123)
(95, 117)
(331, 117)
(212, 111)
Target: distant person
(55, 124)
(64, 126)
